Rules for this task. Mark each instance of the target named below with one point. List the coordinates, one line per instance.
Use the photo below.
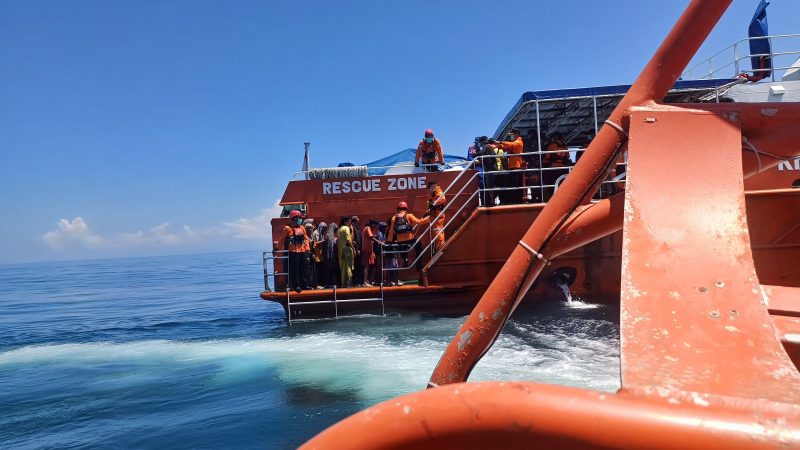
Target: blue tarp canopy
(378, 167)
(599, 91)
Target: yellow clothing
(344, 235)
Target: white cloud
(257, 227)
(75, 232)
(161, 235)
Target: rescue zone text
(374, 185)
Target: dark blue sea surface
(180, 352)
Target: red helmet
(295, 213)
(402, 205)
(428, 133)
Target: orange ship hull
(708, 289)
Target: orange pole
(482, 327)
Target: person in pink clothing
(368, 252)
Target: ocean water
(179, 352)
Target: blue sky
(162, 127)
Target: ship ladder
(335, 301)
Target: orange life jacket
(402, 227)
(296, 240)
(514, 147)
(429, 153)
(435, 203)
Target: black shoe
(298, 290)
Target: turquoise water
(180, 352)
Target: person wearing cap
(429, 151)
(401, 232)
(514, 146)
(297, 243)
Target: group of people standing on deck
(508, 179)
(346, 255)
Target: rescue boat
(589, 250)
(709, 294)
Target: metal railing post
(539, 146)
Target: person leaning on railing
(429, 151)
(492, 180)
(559, 158)
(514, 146)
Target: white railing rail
(301, 174)
(734, 60)
(612, 181)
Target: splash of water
(575, 303)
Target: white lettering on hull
(373, 185)
(788, 165)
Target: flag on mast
(305, 159)
(760, 44)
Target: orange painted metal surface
(482, 327)
(703, 363)
(537, 416)
(693, 314)
(773, 218)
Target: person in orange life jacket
(533, 178)
(401, 232)
(429, 151)
(297, 242)
(552, 160)
(436, 203)
(513, 145)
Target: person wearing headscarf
(330, 255)
(318, 253)
(358, 274)
(368, 252)
(311, 272)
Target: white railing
(607, 188)
(482, 195)
(454, 165)
(734, 60)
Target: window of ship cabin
(287, 209)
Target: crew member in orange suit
(436, 203)
(297, 242)
(558, 156)
(429, 151)
(401, 232)
(514, 146)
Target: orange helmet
(295, 213)
(428, 133)
(402, 205)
